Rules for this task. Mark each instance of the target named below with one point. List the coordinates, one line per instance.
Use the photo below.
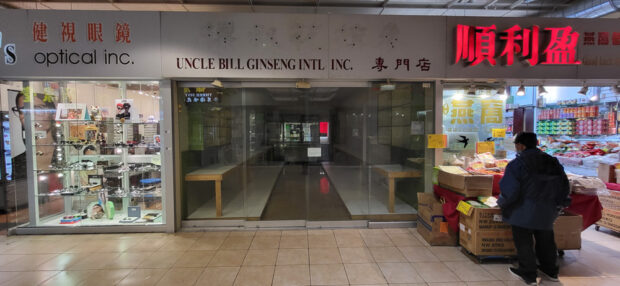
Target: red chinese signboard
(478, 44)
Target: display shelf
(55, 220)
(94, 195)
(111, 173)
(107, 121)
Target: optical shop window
(96, 152)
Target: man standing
(533, 190)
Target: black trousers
(527, 251)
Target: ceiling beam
(383, 5)
(516, 4)
(489, 4)
(452, 3)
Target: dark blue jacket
(533, 189)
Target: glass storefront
(93, 151)
(315, 154)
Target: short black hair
(528, 139)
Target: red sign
(323, 127)
(478, 44)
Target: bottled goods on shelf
(556, 127)
(568, 112)
(592, 127)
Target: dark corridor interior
(304, 192)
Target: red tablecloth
(587, 206)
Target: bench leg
(391, 199)
(218, 198)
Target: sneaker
(518, 274)
(545, 275)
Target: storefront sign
(301, 46)
(96, 44)
(478, 44)
(543, 48)
(83, 44)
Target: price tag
(484, 147)
(465, 208)
(498, 132)
(437, 141)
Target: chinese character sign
(472, 114)
(475, 45)
(492, 111)
(462, 112)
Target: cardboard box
(467, 185)
(610, 201)
(485, 219)
(486, 243)
(483, 233)
(567, 231)
(607, 173)
(610, 220)
(432, 225)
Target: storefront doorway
(325, 153)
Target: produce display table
(587, 206)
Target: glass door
(326, 153)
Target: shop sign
(83, 44)
(301, 46)
(475, 44)
(10, 53)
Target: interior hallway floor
(290, 257)
(303, 192)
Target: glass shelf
(94, 195)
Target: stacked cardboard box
(567, 231)
(432, 225)
(611, 210)
(482, 232)
(462, 182)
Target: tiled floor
(296, 257)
